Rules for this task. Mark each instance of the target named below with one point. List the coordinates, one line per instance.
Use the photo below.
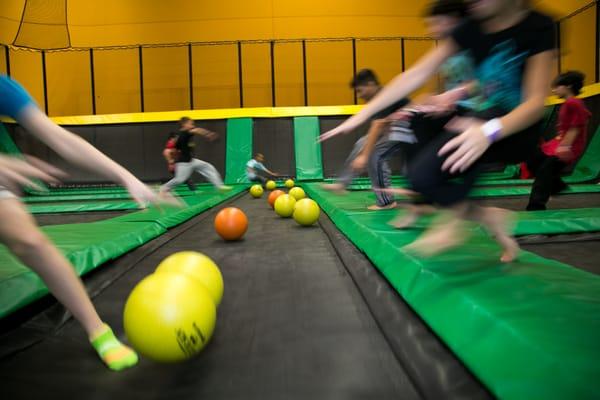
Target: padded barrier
(309, 164)
(88, 245)
(239, 149)
(527, 330)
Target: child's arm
(79, 152)
(205, 133)
(375, 130)
(467, 147)
(399, 87)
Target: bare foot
(413, 213)
(398, 191)
(442, 236)
(390, 206)
(404, 220)
(337, 188)
(500, 224)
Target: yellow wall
(26, 67)
(215, 76)
(117, 81)
(215, 67)
(578, 44)
(69, 83)
(289, 72)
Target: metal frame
(141, 66)
(191, 75)
(93, 81)
(240, 74)
(45, 82)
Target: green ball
(256, 191)
(270, 185)
(306, 212)
(297, 193)
(284, 205)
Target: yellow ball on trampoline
(289, 183)
(256, 191)
(169, 317)
(284, 205)
(270, 185)
(198, 266)
(297, 193)
(306, 212)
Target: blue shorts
(13, 97)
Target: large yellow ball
(289, 183)
(197, 266)
(169, 317)
(297, 193)
(306, 212)
(284, 205)
(270, 185)
(256, 191)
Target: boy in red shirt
(566, 147)
(170, 153)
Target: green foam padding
(88, 245)
(239, 149)
(85, 245)
(527, 329)
(81, 207)
(307, 149)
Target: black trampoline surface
(292, 325)
(76, 218)
(559, 202)
(579, 251)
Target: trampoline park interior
(336, 310)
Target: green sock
(115, 354)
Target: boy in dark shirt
(367, 86)
(566, 147)
(186, 165)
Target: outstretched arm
(79, 152)
(399, 87)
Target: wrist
(492, 130)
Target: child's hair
(259, 155)
(183, 120)
(451, 8)
(572, 79)
(364, 77)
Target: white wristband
(492, 129)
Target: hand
(345, 127)
(212, 136)
(360, 162)
(16, 173)
(565, 153)
(468, 147)
(144, 196)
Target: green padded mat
(527, 330)
(239, 149)
(309, 165)
(88, 245)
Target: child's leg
(21, 235)
(183, 171)
(347, 174)
(379, 171)
(547, 182)
(208, 171)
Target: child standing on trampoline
(20, 233)
(566, 147)
(512, 47)
(186, 165)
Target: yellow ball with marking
(270, 185)
(198, 266)
(169, 317)
(297, 193)
(284, 205)
(256, 191)
(306, 212)
(289, 183)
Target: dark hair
(573, 79)
(257, 155)
(183, 120)
(452, 8)
(364, 77)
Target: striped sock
(115, 354)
